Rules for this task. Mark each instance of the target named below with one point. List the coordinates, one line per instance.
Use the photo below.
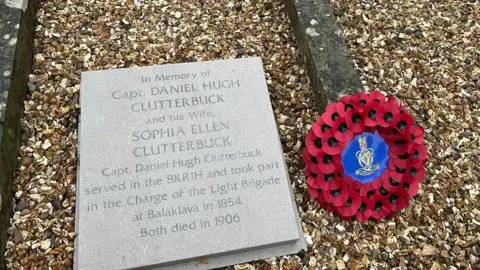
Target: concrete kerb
(330, 69)
(17, 22)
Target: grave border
(330, 69)
(20, 63)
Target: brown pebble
(18, 237)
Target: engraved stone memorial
(181, 167)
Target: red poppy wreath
(364, 157)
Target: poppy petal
(317, 129)
(397, 200)
(351, 206)
(328, 182)
(354, 121)
(312, 182)
(365, 210)
(381, 209)
(377, 96)
(313, 143)
(338, 196)
(325, 163)
(313, 192)
(341, 131)
(370, 113)
(330, 144)
(402, 121)
(340, 108)
(389, 110)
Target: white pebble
(18, 194)
(309, 240)
(333, 252)
(39, 58)
(46, 144)
(45, 188)
(340, 265)
(46, 244)
(36, 197)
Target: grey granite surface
(178, 163)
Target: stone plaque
(181, 167)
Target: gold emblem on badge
(365, 159)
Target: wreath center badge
(364, 157)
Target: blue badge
(365, 157)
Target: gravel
(424, 52)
